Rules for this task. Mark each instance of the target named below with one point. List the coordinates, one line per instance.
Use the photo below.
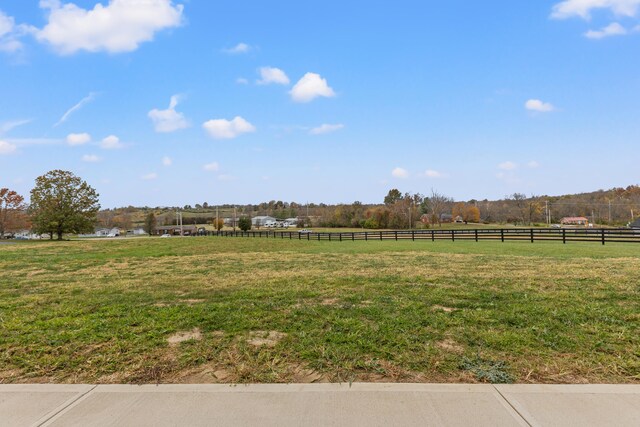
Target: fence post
(433, 235)
(532, 235)
(476, 233)
(453, 236)
(353, 236)
(308, 236)
(381, 235)
(366, 236)
(564, 236)
(413, 235)
(340, 236)
(396, 235)
(603, 239)
(502, 234)
(329, 236)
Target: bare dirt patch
(450, 345)
(445, 309)
(265, 338)
(179, 337)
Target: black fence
(564, 235)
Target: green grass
(272, 310)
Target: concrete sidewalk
(320, 405)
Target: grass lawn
(215, 309)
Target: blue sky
(159, 102)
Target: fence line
(599, 235)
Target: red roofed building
(574, 220)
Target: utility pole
(609, 212)
(234, 219)
(179, 221)
(546, 209)
(217, 220)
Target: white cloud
(238, 49)
(149, 177)
(90, 158)
(613, 29)
(400, 173)
(120, 26)
(7, 24)
(583, 8)
(533, 164)
(508, 166)
(6, 148)
(325, 128)
(166, 161)
(8, 126)
(538, 106)
(211, 167)
(269, 75)
(78, 138)
(9, 33)
(228, 129)
(111, 142)
(242, 81)
(168, 120)
(309, 87)
(430, 173)
(75, 108)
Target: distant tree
(63, 203)
(11, 210)
(392, 196)
(218, 224)
(458, 210)
(205, 205)
(150, 223)
(244, 223)
(519, 200)
(437, 203)
(471, 213)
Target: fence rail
(565, 235)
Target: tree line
(61, 202)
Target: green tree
(392, 196)
(244, 223)
(218, 224)
(150, 223)
(11, 208)
(63, 203)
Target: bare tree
(438, 204)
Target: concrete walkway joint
(358, 404)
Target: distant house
(187, 230)
(635, 224)
(446, 218)
(105, 232)
(293, 222)
(574, 220)
(261, 221)
(137, 232)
